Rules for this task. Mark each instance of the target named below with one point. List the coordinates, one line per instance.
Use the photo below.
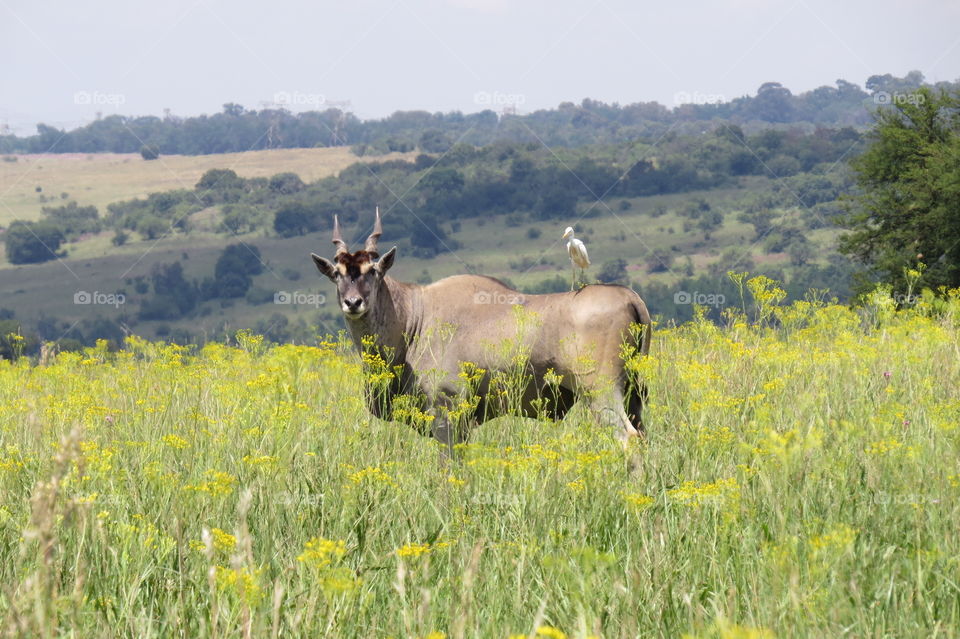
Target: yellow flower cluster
(322, 556)
(320, 552)
(414, 550)
(218, 483)
(697, 494)
(242, 582)
(372, 475)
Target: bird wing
(586, 258)
(578, 253)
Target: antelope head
(358, 276)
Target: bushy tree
(174, 296)
(235, 268)
(613, 271)
(908, 207)
(32, 242)
(294, 219)
(286, 183)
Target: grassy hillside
(485, 245)
(157, 492)
(101, 178)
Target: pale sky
(65, 60)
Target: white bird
(578, 254)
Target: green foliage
(240, 218)
(14, 343)
(235, 269)
(152, 227)
(73, 219)
(908, 204)
(613, 272)
(295, 218)
(149, 151)
(220, 180)
(286, 183)
(434, 141)
(173, 297)
(32, 242)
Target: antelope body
(427, 332)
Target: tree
(294, 219)
(151, 226)
(286, 183)
(240, 218)
(235, 268)
(772, 103)
(555, 202)
(220, 179)
(427, 237)
(434, 141)
(149, 151)
(908, 207)
(32, 242)
(172, 290)
(72, 219)
(613, 271)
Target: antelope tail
(641, 316)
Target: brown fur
(355, 264)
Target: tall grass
(800, 478)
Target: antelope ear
(325, 266)
(385, 262)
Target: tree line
(238, 129)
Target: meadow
(799, 478)
(30, 182)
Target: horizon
(497, 102)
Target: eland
(569, 346)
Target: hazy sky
(62, 61)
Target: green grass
(796, 482)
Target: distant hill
(238, 129)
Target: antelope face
(358, 278)
(359, 275)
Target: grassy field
(102, 178)
(797, 481)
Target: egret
(578, 255)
